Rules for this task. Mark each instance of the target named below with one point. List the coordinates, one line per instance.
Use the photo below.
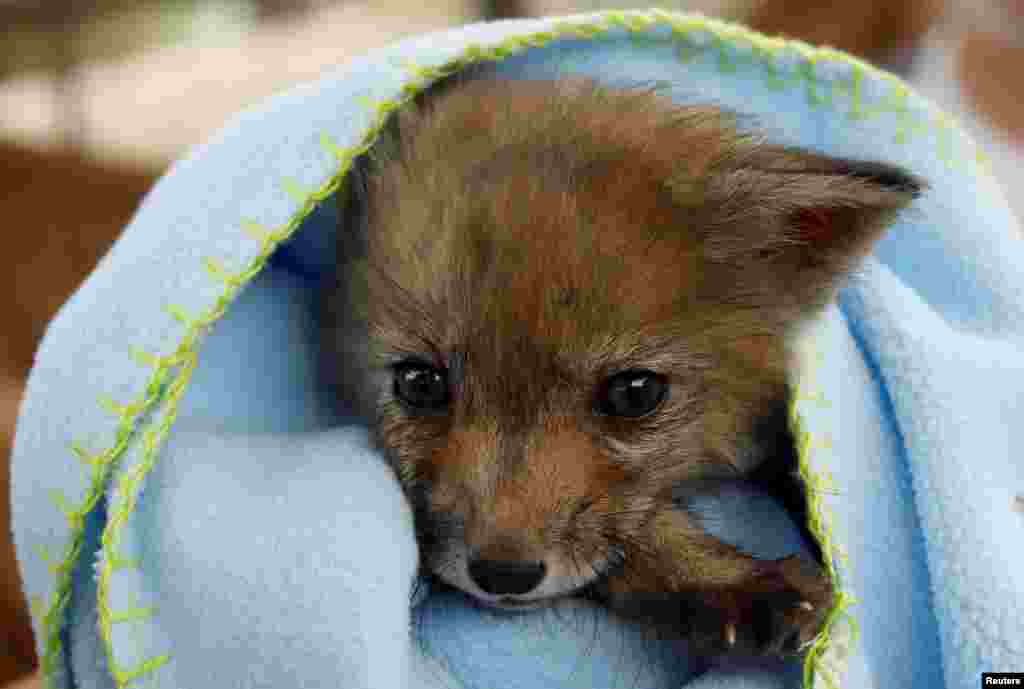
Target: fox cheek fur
(527, 255)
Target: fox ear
(798, 221)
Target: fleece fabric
(189, 514)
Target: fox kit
(564, 308)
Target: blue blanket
(189, 514)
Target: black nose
(506, 576)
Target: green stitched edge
(819, 522)
(100, 466)
(181, 363)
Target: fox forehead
(564, 266)
(559, 213)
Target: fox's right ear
(804, 217)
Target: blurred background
(97, 97)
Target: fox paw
(779, 613)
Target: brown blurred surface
(16, 654)
(25, 683)
(872, 29)
(61, 211)
(986, 87)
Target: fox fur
(526, 241)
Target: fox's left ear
(798, 219)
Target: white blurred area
(149, 106)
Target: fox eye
(632, 393)
(421, 386)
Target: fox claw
(730, 634)
(778, 615)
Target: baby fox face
(563, 302)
